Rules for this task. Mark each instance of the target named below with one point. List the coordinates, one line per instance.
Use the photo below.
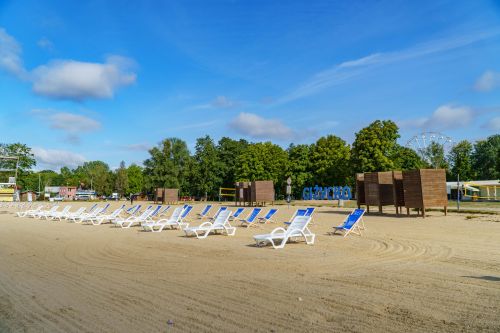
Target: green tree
(121, 179)
(373, 148)
(460, 159)
(435, 156)
(165, 167)
(25, 163)
(207, 167)
(97, 176)
(299, 167)
(330, 157)
(486, 158)
(135, 179)
(263, 161)
(229, 150)
(407, 159)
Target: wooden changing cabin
(398, 190)
(167, 195)
(360, 189)
(378, 189)
(425, 188)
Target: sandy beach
(406, 274)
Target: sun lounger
(97, 220)
(58, 214)
(43, 213)
(237, 213)
(79, 212)
(251, 218)
(351, 223)
(29, 211)
(131, 220)
(309, 211)
(279, 236)
(204, 211)
(221, 223)
(269, 216)
(173, 222)
(221, 209)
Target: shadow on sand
(484, 277)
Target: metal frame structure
(421, 141)
(11, 158)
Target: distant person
(131, 199)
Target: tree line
(329, 161)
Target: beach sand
(406, 274)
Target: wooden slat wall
(371, 189)
(262, 191)
(360, 189)
(425, 188)
(434, 187)
(397, 180)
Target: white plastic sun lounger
(45, 213)
(130, 221)
(79, 212)
(89, 216)
(221, 223)
(59, 214)
(173, 222)
(29, 211)
(107, 217)
(279, 236)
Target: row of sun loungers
(154, 219)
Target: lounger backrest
(80, 210)
(353, 218)
(309, 211)
(299, 223)
(165, 209)
(300, 212)
(270, 213)
(238, 212)
(186, 211)
(221, 209)
(155, 211)
(176, 214)
(105, 208)
(222, 218)
(136, 209)
(253, 214)
(146, 213)
(206, 210)
(117, 211)
(92, 208)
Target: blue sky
(107, 80)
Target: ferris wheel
(421, 142)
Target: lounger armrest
(278, 229)
(205, 224)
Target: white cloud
(71, 124)
(55, 159)
(488, 81)
(443, 118)
(351, 68)
(67, 79)
(76, 80)
(257, 127)
(10, 55)
(493, 124)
